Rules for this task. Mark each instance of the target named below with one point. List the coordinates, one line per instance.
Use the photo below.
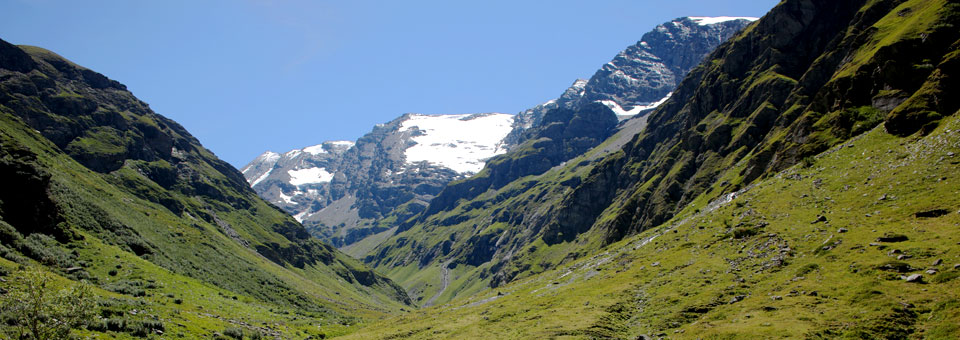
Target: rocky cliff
(346, 191)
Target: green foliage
(691, 278)
(140, 209)
(39, 308)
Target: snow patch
(636, 109)
(299, 217)
(266, 157)
(261, 178)
(310, 175)
(288, 199)
(342, 143)
(292, 153)
(315, 150)
(703, 21)
(459, 142)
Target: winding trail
(445, 274)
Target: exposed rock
(917, 278)
(892, 238)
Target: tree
(39, 311)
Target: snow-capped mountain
(340, 189)
(642, 76)
(344, 191)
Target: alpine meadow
(795, 175)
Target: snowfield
(309, 175)
(459, 142)
(717, 20)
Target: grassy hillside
(100, 189)
(806, 77)
(819, 250)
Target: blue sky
(246, 76)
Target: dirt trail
(445, 273)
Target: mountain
(376, 193)
(642, 76)
(588, 114)
(99, 188)
(343, 191)
(799, 183)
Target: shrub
(233, 332)
(36, 309)
(129, 287)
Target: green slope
(806, 77)
(99, 188)
(763, 264)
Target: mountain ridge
(354, 218)
(723, 128)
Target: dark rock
(899, 267)
(892, 238)
(842, 230)
(937, 262)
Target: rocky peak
(340, 190)
(643, 75)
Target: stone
(892, 238)
(842, 230)
(903, 257)
(916, 278)
(931, 271)
(938, 262)
(776, 298)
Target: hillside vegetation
(806, 77)
(100, 189)
(859, 242)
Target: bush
(36, 309)
(807, 269)
(233, 332)
(129, 287)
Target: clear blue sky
(246, 76)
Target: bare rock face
(644, 74)
(341, 190)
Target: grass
(185, 244)
(692, 278)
